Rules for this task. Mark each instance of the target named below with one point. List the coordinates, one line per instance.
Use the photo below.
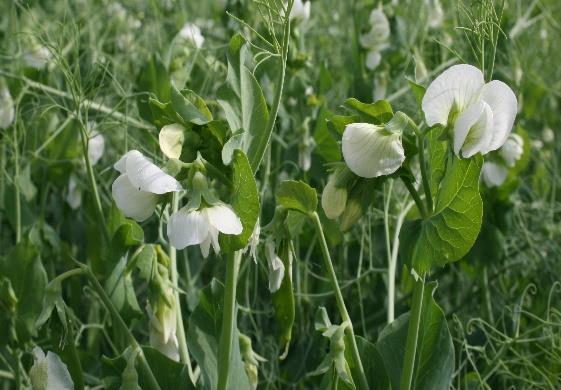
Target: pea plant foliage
(278, 194)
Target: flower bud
(334, 198)
(353, 212)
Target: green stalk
(228, 319)
(415, 195)
(424, 176)
(16, 185)
(262, 147)
(412, 335)
(153, 383)
(183, 350)
(93, 185)
(349, 331)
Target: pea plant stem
(182, 340)
(412, 335)
(415, 195)
(340, 302)
(228, 319)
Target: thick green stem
(415, 195)
(153, 383)
(183, 350)
(412, 335)
(340, 303)
(228, 319)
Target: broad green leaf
(190, 107)
(283, 298)
(434, 362)
(23, 268)
(120, 289)
(244, 201)
(449, 233)
(203, 337)
(243, 102)
(153, 79)
(372, 363)
(378, 112)
(297, 195)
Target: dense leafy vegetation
(242, 194)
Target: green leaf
(438, 157)
(283, 298)
(146, 262)
(297, 195)
(337, 124)
(23, 268)
(190, 107)
(451, 231)
(418, 91)
(244, 201)
(326, 146)
(154, 79)
(243, 102)
(378, 112)
(120, 289)
(203, 337)
(434, 361)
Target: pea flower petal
(372, 151)
(493, 174)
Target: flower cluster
(376, 39)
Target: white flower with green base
(371, 151)
(480, 114)
(139, 187)
(49, 372)
(202, 219)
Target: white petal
(205, 246)
(121, 165)
(96, 147)
(493, 174)
(472, 131)
(213, 234)
(504, 105)
(74, 195)
(276, 267)
(135, 204)
(333, 199)
(187, 228)
(146, 176)
(373, 59)
(460, 85)
(371, 151)
(49, 372)
(7, 110)
(512, 149)
(223, 218)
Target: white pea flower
(305, 150)
(49, 372)
(435, 14)
(137, 190)
(201, 227)
(96, 146)
(512, 150)
(548, 135)
(372, 151)
(254, 240)
(7, 110)
(493, 174)
(481, 114)
(37, 57)
(191, 32)
(333, 198)
(74, 195)
(163, 324)
(117, 10)
(376, 39)
(276, 266)
(300, 10)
